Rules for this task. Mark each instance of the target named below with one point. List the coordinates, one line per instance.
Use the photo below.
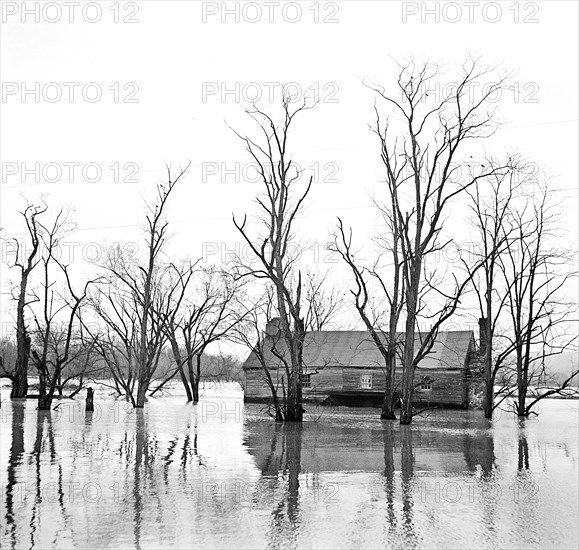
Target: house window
(366, 381)
(426, 385)
(306, 381)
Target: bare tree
(139, 322)
(491, 204)
(322, 305)
(84, 366)
(57, 325)
(423, 176)
(384, 337)
(536, 272)
(250, 334)
(26, 263)
(194, 320)
(116, 334)
(279, 207)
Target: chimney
(482, 336)
(272, 328)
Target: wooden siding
(448, 386)
(326, 381)
(352, 377)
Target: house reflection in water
(165, 476)
(402, 456)
(332, 448)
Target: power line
(345, 147)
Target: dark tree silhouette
(421, 156)
(19, 376)
(536, 272)
(275, 262)
(383, 335)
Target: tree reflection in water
(179, 479)
(407, 459)
(285, 457)
(14, 461)
(469, 465)
(389, 470)
(407, 486)
(525, 490)
(141, 461)
(523, 446)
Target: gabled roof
(355, 348)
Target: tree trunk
(387, 412)
(407, 393)
(486, 346)
(521, 389)
(388, 404)
(46, 388)
(521, 401)
(278, 412)
(193, 381)
(89, 400)
(294, 409)
(408, 356)
(180, 362)
(141, 394)
(20, 380)
(45, 400)
(489, 397)
(185, 384)
(42, 393)
(408, 373)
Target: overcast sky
(173, 75)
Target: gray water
(220, 474)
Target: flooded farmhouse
(346, 367)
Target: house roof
(357, 349)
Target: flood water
(220, 474)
